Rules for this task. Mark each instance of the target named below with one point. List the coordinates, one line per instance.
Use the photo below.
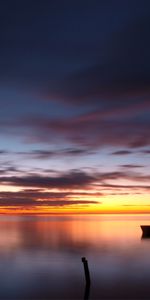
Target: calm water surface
(40, 257)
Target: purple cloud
(121, 152)
(36, 198)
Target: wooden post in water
(86, 271)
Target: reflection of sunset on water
(41, 256)
(84, 232)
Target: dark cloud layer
(121, 152)
(77, 51)
(131, 166)
(76, 180)
(45, 154)
(69, 180)
(91, 54)
(95, 132)
(37, 198)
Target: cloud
(131, 166)
(121, 152)
(36, 198)
(3, 152)
(131, 187)
(71, 188)
(145, 151)
(78, 180)
(83, 133)
(68, 180)
(47, 154)
(91, 133)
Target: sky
(74, 106)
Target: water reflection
(87, 292)
(40, 257)
(69, 234)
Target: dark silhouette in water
(87, 278)
(86, 292)
(145, 231)
(86, 271)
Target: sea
(41, 257)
